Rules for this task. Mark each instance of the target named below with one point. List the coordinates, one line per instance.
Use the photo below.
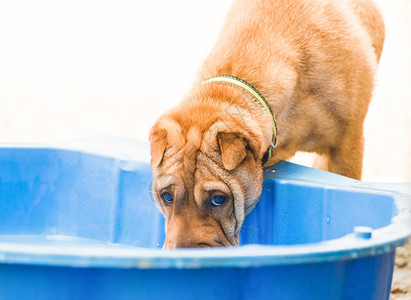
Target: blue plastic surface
(77, 222)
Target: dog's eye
(217, 200)
(167, 197)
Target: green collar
(253, 91)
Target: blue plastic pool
(77, 222)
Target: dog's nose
(181, 242)
(193, 232)
(169, 244)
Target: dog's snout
(193, 234)
(186, 244)
(189, 241)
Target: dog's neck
(264, 106)
(276, 93)
(228, 103)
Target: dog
(284, 76)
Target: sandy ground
(401, 283)
(73, 69)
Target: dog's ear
(233, 149)
(158, 144)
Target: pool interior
(51, 196)
(297, 213)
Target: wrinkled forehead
(194, 162)
(181, 153)
(211, 176)
(192, 171)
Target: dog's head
(207, 169)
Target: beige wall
(388, 125)
(80, 68)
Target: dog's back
(371, 19)
(289, 28)
(314, 61)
